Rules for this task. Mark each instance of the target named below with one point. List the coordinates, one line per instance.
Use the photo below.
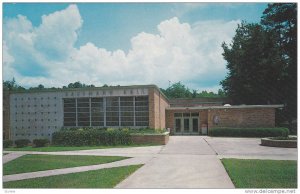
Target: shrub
(91, 137)
(7, 143)
(40, 142)
(22, 143)
(249, 132)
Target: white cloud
(57, 33)
(179, 52)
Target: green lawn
(262, 173)
(104, 178)
(73, 148)
(32, 163)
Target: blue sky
(120, 43)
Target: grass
(73, 148)
(104, 178)
(262, 173)
(32, 163)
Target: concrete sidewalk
(249, 148)
(11, 156)
(185, 162)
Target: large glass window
(69, 112)
(141, 111)
(107, 111)
(112, 111)
(127, 111)
(97, 112)
(83, 111)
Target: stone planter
(279, 143)
(161, 139)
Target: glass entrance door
(195, 126)
(186, 124)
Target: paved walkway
(249, 148)
(185, 162)
(11, 156)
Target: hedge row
(22, 143)
(40, 142)
(249, 132)
(7, 143)
(91, 137)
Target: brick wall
(157, 109)
(246, 117)
(192, 102)
(150, 139)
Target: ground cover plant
(262, 173)
(103, 178)
(32, 163)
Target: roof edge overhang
(226, 107)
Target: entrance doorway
(186, 123)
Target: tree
(12, 86)
(178, 90)
(254, 64)
(262, 60)
(281, 18)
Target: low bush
(7, 143)
(249, 132)
(22, 143)
(90, 137)
(40, 142)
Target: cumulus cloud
(178, 52)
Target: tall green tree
(12, 85)
(254, 64)
(262, 60)
(281, 18)
(178, 90)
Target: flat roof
(226, 107)
(89, 89)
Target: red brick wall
(157, 109)
(242, 117)
(246, 117)
(153, 139)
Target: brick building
(37, 114)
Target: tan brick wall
(6, 115)
(247, 117)
(157, 109)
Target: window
(112, 111)
(141, 111)
(177, 114)
(127, 111)
(97, 112)
(69, 112)
(83, 111)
